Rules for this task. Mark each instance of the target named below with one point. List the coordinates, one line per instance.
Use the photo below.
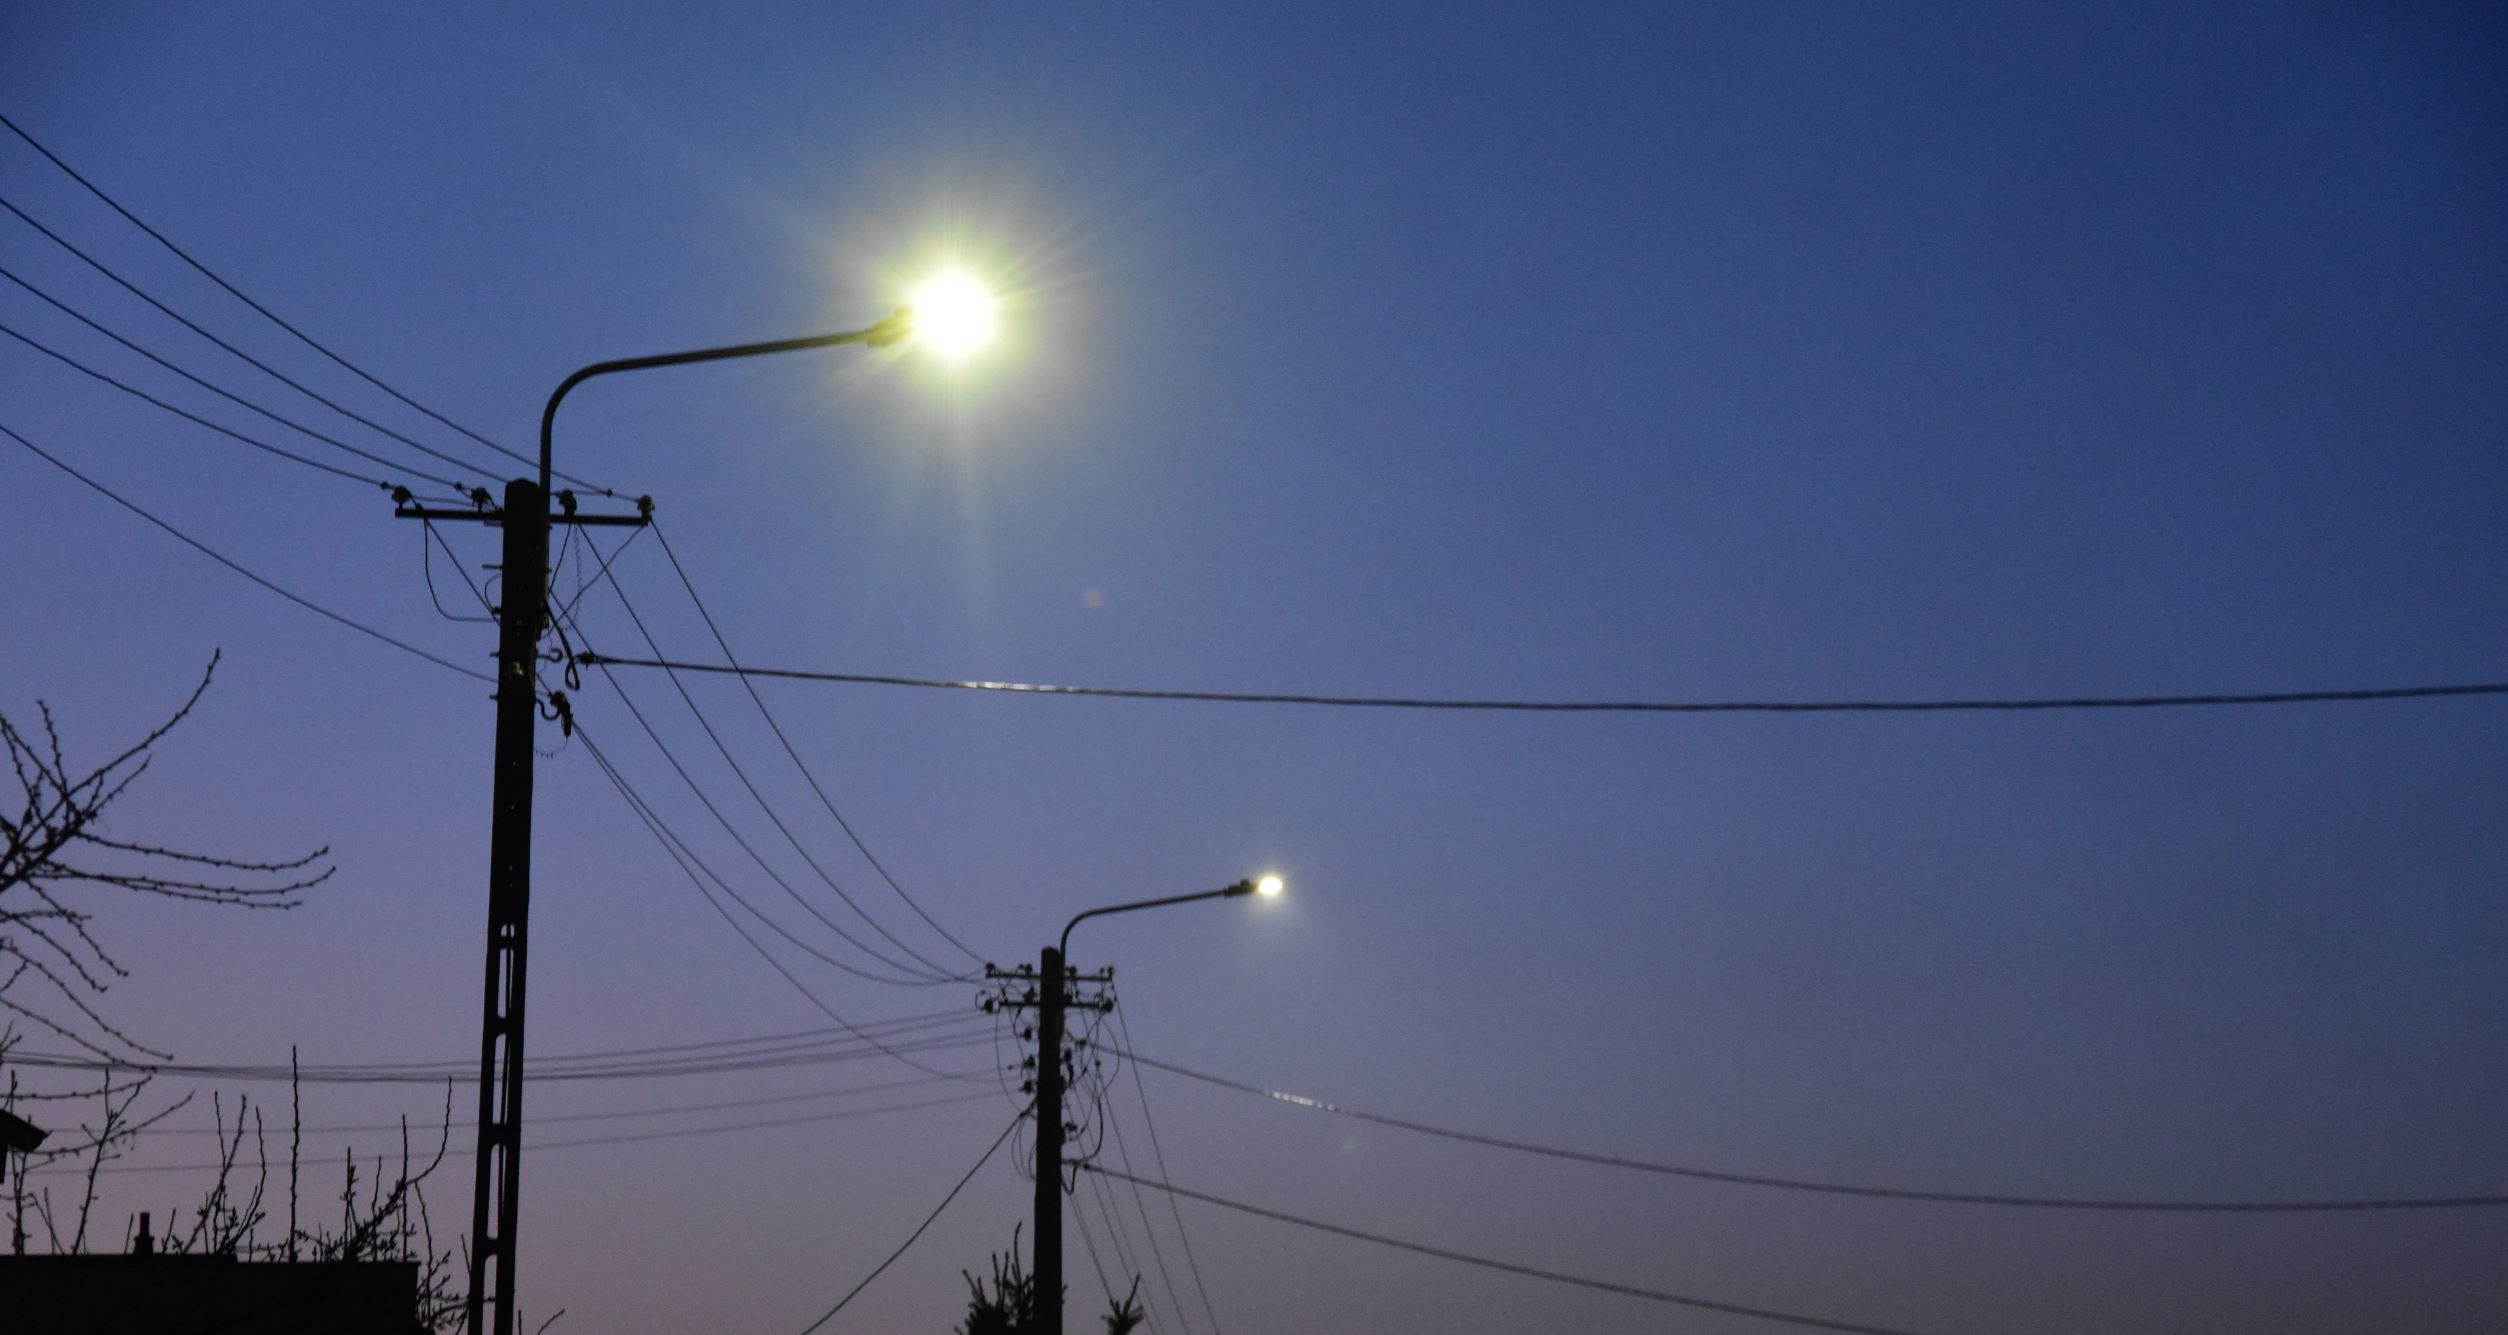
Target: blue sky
(1802, 352)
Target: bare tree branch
(54, 847)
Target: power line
(629, 1138)
(914, 979)
(790, 750)
(307, 339)
(582, 587)
(204, 549)
(1149, 1227)
(1089, 1240)
(1836, 1188)
(607, 1060)
(429, 536)
(256, 363)
(1158, 1254)
(254, 441)
(1141, 1088)
(745, 846)
(290, 423)
(885, 1024)
(1582, 706)
(936, 972)
(1127, 1256)
(673, 848)
(882, 1267)
(1510, 1267)
(872, 1046)
(1118, 1235)
(614, 1115)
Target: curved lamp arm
(1244, 887)
(888, 331)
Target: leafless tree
(388, 1221)
(55, 860)
(109, 1137)
(54, 854)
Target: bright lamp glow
(1268, 887)
(954, 314)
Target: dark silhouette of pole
(519, 622)
(1049, 1085)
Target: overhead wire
(936, 973)
(1088, 1240)
(204, 549)
(1118, 1235)
(724, 1054)
(627, 1138)
(1086, 1101)
(253, 441)
(1159, 1152)
(1091, 1084)
(255, 362)
(2457, 1202)
(1103, 1197)
(429, 537)
(883, 1024)
(885, 1043)
(1587, 706)
(1149, 1227)
(266, 313)
(614, 1115)
(1514, 1268)
(712, 809)
(221, 391)
(882, 1267)
(567, 609)
(671, 847)
(790, 750)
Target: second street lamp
(1050, 997)
(960, 319)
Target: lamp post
(1051, 975)
(953, 315)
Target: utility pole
(522, 617)
(1049, 1141)
(489, 1309)
(1048, 989)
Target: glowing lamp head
(1269, 887)
(953, 314)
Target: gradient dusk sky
(1671, 352)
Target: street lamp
(1051, 998)
(955, 315)
(952, 315)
